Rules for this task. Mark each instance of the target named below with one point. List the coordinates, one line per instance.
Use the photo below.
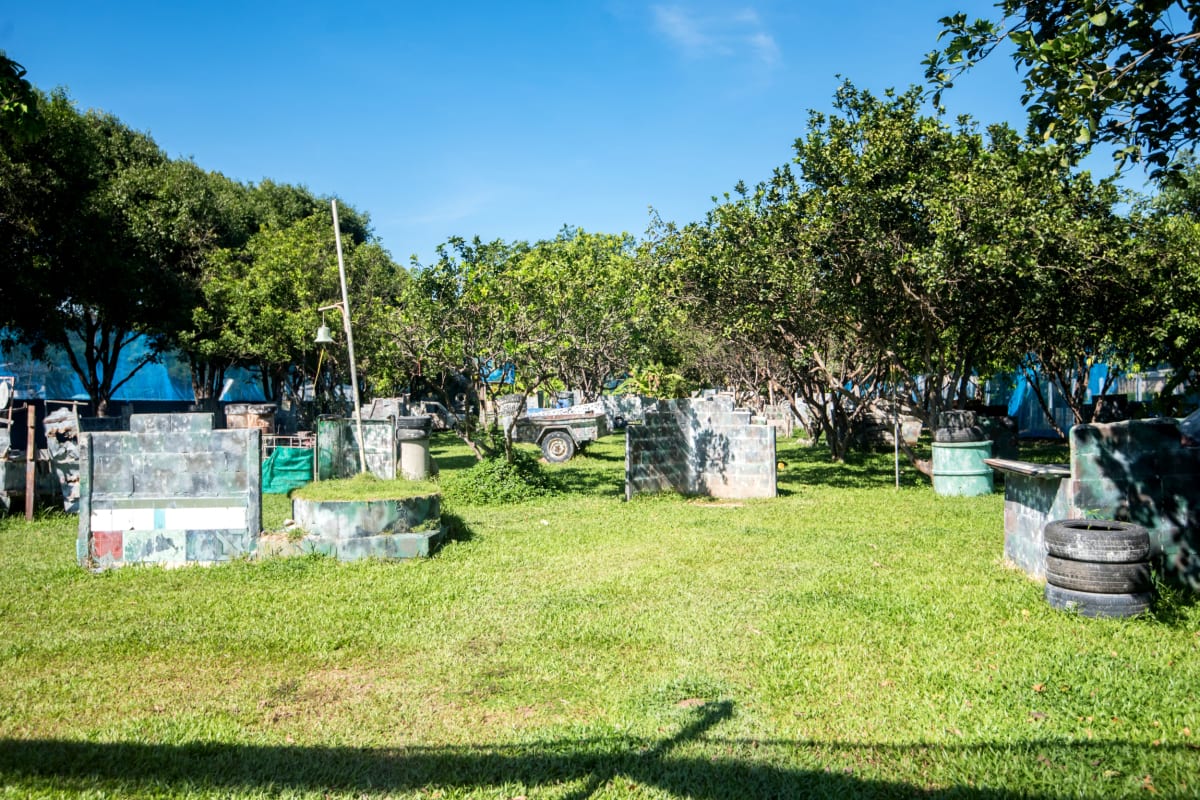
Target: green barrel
(958, 468)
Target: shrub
(494, 480)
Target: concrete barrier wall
(337, 448)
(701, 447)
(1139, 471)
(170, 491)
(1030, 501)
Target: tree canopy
(18, 101)
(1122, 72)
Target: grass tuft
(365, 486)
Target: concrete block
(166, 423)
(108, 545)
(106, 445)
(111, 476)
(156, 547)
(388, 546)
(219, 545)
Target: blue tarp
(168, 380)
(504, 375)
(1032, 420)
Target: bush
(494, 480)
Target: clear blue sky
(498, 119)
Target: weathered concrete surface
(337, 448)
(1138, 471)
(354, 529)
(171, 491)
(1030, 501)
(1135, 471)
(702, 447)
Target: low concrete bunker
(1136, 471)
(701, 447)
(407, 527)
(172, 490)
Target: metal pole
(896, 425)
(30, 453)
(337, 235)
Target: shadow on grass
(579, 769)
(460, 461)
(455, 527)
(812, 466)
(578, 477)
(596, 454)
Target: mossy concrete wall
(700, 447)
(1135, 471)
(337, 448)
(355, 529)
(1138, 471)
(1030, 501)
(170, 491)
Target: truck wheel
(558, 446)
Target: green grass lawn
(844, 639)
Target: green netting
(287, 468)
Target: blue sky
(503, 120)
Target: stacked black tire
(955, 427)
(1098, 568)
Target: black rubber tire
(1089, 576)
(619, 423)
(954, 420)
(958, 435)
(1102, 541)
(1096, 604)
(558, 446)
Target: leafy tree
(591, 299)
(19, 118)
(1166, 254)
(752, 286)
(182, 214)
(914, 230)
(1079, 301)
(1123, 72)
(90, 280)
(907, 259)
(483, 310)
(219, 332)
(268, 293)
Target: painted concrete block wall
(337, 448)
(171, 490)
(702, 447)
(1030, 501)
(352, 530)
(1137, 470)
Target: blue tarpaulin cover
(169, 379)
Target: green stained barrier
(287, 468)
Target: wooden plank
(1029, 468)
